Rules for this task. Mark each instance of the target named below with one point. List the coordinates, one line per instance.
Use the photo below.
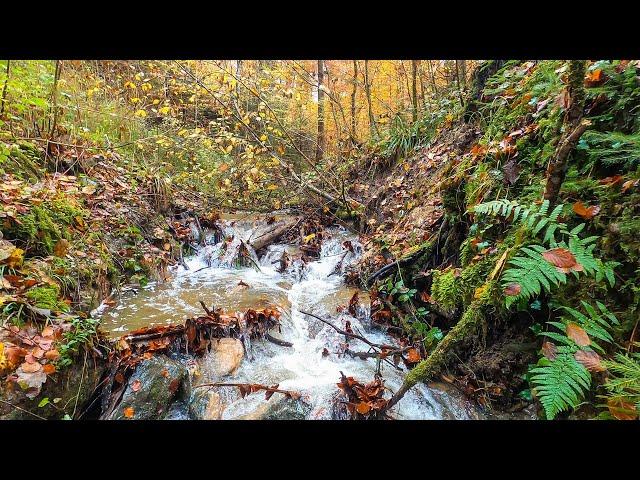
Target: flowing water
(316, 287)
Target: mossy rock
(73, 386)
(152, 389)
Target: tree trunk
(320, 143)
(574, 127)
(4, 87)
(353, 101)
(373, 128)
(433, 78)
(54, 99)
(414, 76)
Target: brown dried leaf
(549, 350)
(135, 385)
(576, 333)
(513, 289)
(586, 212)
(590, 359)
(563, 259)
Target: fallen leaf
(586, 212)
(49, 369)
(135, 385)
(363, 408)
(591, 360)
(549, 350)
(630, 183)
(576, 333)
(413, 356)
(513, 289)
(31, 367)
(52, 355)
(610, 181)
(128, 412)
(563, 259)
(61, 248)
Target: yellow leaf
(141, 113)
(134, 100)
(308, 238)
(15, 259)
(272, 187)
(164, 110)
(263, 138)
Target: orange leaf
(630, 183)
(52, 355)
(413, 356)
(363, 408)
(591, 360)
(513, 289)
(563, 259)
(128, 412)
(49, 369)
(586, 212)
(576, 333)
(610, 181)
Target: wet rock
(224, 358)
(152, 388)
(178, 411)
(73, 387)
(279, 407)
(206, 404)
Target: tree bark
(354, 92)
(373, 128)
(414, 76)
(320, 143)
(4, 87)
(574, 127)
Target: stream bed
(311, 366)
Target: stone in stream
(279, 407)
(206, 404)
(152, 388)
(224, 358)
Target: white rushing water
(315, 287)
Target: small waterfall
(313, 365)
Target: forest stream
(316, 287)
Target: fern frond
(560, 383)
(532, 272)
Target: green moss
(47, 297)
(45, 224)
(445, 290)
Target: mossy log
(471, 319)
(428, 368)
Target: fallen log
(275, 231)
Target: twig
(23, 410)
(277, 341)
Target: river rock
(224, 358)
(152, 388)
(206, 404)
(72, 386)
(279, 407)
